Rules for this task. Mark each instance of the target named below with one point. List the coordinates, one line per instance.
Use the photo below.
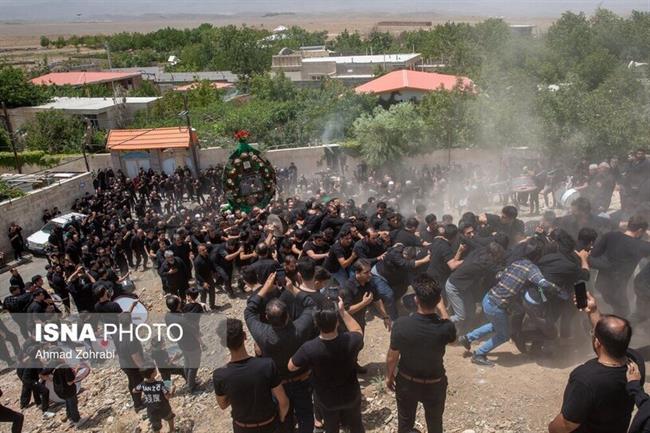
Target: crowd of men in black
(315, 267)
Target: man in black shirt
(417, 349)
(279, 339)
(175, 273)
(595, 399)
(507, 223)
(371, 247)
(138, 246)
(621, 253)
(245, 377)
(63, 381)
(332, 359)
(406, 235)
(443, 259)
(359, 292)
(340, 257)
(265, 265)
(316, 248)
(391, 276)
(204, 275)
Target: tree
(17, 91)
(54, 132)
(385, 136)
(45, 41)
(448, 117)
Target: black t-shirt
(476, 270)
(333, 365)
(311, 246)
(421, 341)
(337, 251)
(352, 293)
(107, 307)
(153, 396)
(248, 384)
(441, 253)
(367, 251)
(125, 349)
(623, 254)
(406, 238)
(596, 397)
(61, 375)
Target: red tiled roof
(143, 139)
(407, 79)
(80, 78)
(215, 85)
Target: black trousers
(29, 389)
(208, 294)
(141, 257)
(166, 373)
(15, 418)
(135, 378)
(349, 416)
(432, 396)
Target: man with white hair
(175, 274)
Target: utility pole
(87, 140)
(12, 137)
(186, 113)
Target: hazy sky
(67, 10)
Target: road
(27, 271)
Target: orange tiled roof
(407, 79)
(144, 139)
(79, 78)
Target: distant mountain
(82, 10)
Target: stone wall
(27, 210)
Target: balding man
(595, 399)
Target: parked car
(38, 242)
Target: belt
(418, 380)
(259, 424)
(298, 378)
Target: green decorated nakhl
(248, 177)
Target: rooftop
(157, 74)
(92, 104)
(215, 85)
(407, 79)
(144, 139)
(378, 58)
(79, 78)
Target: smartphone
(580, 290)
(332, 293)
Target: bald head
(614, 334)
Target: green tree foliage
(45, 41)
(449, 118)
(385, 136)
(17, 91)
(53, 131)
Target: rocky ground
(519, 395)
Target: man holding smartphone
(596, 399)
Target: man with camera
(596, 399)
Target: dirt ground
(27, 34)
(519, 395)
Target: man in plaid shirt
(509, 290)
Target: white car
(38, 242)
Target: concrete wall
(27, 210)
(73, 163)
